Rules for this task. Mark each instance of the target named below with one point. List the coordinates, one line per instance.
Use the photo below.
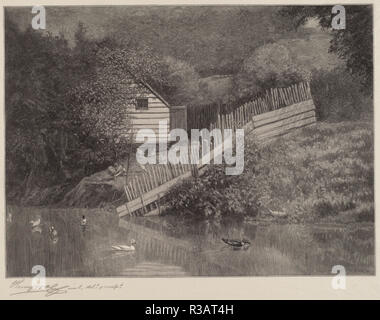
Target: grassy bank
(322, 173)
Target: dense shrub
(270, 66)
(338, 95)
(217, 195)
(214, 195)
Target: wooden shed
(149, 108)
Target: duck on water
(124, 247)
(237, 244)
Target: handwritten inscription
(21, 287)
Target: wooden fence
(281, 121)
(234, 115)
(144, 192)
(277, 112)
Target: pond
(166, 248)
(276, 249)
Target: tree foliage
(37, 79)
(269, 66)
(66, 107)
(354, 44)
(182, 81)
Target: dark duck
(237, 244)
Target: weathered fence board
(178, 117)
(150, 196)
(146, 197)
(287, 128)
(282, 120)
(240, 113)
(275, 124)
(283, 112)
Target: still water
(276, 249)
(166, 248)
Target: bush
(182, 81)
(270, 66)
(338, 96)
(214, 195)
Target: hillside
(213, 39)
(322, 173)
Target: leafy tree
(110, 85)
(37, 74)
(66, 107)
(353, 44)
(270, 65)
(182, 81)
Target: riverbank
(320, 174)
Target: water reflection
(167, 247)
(275, 249)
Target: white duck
(277, 213)
(124, 247)
(36, 225)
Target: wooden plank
(152, 101)
(287, 128)
(273, 125)
(151, 138)
(156, 130)
(151, 125)
(153, 115)
(308, 90)
(155, 106)
(133, 110)
(148, 114)
(293, 108)
(281, 116)
(283, 99)
(151, 196)
(154, 136)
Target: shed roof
(151, 89)
(159, 96)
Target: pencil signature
(21, 287)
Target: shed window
(142, 103)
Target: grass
(319, 173)
(322, 173)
